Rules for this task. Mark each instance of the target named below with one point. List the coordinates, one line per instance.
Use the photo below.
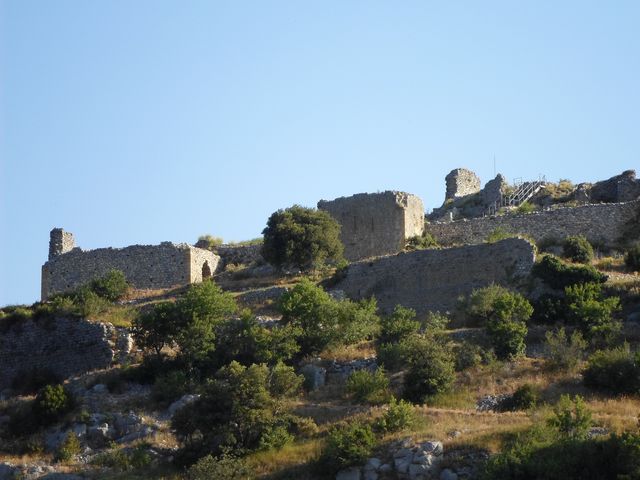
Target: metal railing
(523, 192)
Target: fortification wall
(240, 254)
(375, 224)
(145, 266)
(64, 346)
(602, 223)
(432, 280)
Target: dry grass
(346, 353)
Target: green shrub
(209, 242)
(632, 257)
(558, 275)
(155, 329)
(88, 303)
(284, 382)
(571, 418)
(125, 460)
(549, 309)
(225, 466)
(504, 313)
(322, 321)
(171, 386)
(398, 416)
(565, 353)
(112, 286)
(51, 403)
(614, 371)
(364, 386)
(526, 207)
(392, 355)
(274, 437)
(499, 234)
(399, 325)
(69, 448)
(591, 312)
(577, 249)
(468, 355)
(347, 445)
(302, 427)
(302, 237)
(524, 398)
(539, 454)
(430, 368)
(421, 242)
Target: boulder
(181, 403)
(314, 375)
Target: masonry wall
(602, 223)
(63, 346)
(375, 224)
(145, 266)
(432, 280)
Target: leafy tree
(431, 367)
(615, 371)
(157, 328)
(240, 408)
(301, 237)
(578, 249)
(504, 313)
(632, 257)
(322, 321)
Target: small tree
(347, 445)
(301, 237)
(591, 312)
(571, 418)
(578, 249)
(431, 367)
(399, 325)
(565, 353)
(157, 328)
(632, 257)
(111, 286)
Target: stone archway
(206, 271)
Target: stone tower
(460, 183)
(60, 242)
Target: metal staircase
(522, 192)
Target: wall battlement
(145, 266)
(375, 224)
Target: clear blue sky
(141, 121)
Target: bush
(364, 386)
(592, 313)
(565, 353)
(421, 242)
(69, 448)
(157, 328)
(499, 234)
(571, 418)
(171, 385)
(526, 207)
(632, 257)
(577, 249)
(524, 398)
(615, 371)
(558, 275)
(430, 368)
(51, 403)
(504, 313)
(538, 454)
(322, 321)
(301, 237)
(399, 325)
(112, 286)
(398, 416)
(468, 355)
(209, 242)
(124, 459)
(347, 445)
(225, 466)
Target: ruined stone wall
(460, 183)
(240, 254)
(602, 223)
(375, 224)
(432, 280)
(63, 346)
(60, 242)
(145, 266)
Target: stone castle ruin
(145, 266)
(376, 224)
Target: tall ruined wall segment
(145, 266)
(432, 280)
(601, 223)
(375, 224)
(62, 346)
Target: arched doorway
(206, 271)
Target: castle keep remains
(145, 266)
(375, 224)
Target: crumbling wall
(432, 280)
(602, 224)
(63, 346)
(460, 183)
(375, 224)
(145, 266)
(240, 254)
